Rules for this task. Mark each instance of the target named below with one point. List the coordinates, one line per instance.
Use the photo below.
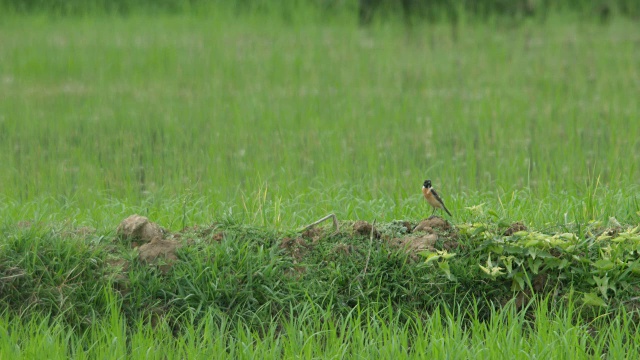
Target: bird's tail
(447, 210)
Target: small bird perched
(432, 197)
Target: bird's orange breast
(430, 198)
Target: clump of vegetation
(245, 279)
(253, 275)
(603, 265)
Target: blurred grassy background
(279, 121)
(364, 10)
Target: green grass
(262, 127)
(368, 334)
(278, 125)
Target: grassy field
(317, 335)
(262, 127)
(278, 125)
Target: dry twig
(335, 223)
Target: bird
(433, 198)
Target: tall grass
(368, 334)
(278, 125)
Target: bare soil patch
(364, 228)
(139, 230)
(160, 249)
(431, 224)
(415, 244)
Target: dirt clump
(413, 245)
(296, 247)
(160, 249)
(313, 233)
(138, 228)
(433, 222)
(363, 228)
(514, 228)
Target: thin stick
(366, 264)
(335, 222)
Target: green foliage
(601, 266)
(272, 127)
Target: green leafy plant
(607, 263)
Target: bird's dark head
(427, 184)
